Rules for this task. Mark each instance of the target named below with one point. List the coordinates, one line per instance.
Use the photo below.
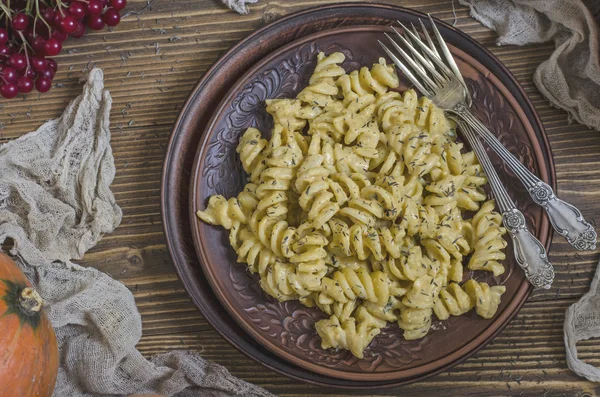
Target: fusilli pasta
(354, 206)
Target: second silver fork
(530, 254)
(444, 85)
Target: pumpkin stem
(30, 300)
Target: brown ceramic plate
(287, 329)
(209, 92)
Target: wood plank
(152, 61)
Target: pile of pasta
(355, 205)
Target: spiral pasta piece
(395, 112)
(328, 67)
(386, 163)
(322, 86)
(342, 311)
(389, 313)
(456, 300)
(423, 292)
(368, 81)
(276, 235)
(323, 125)
(415, 322)
(363, 211)
(488, 232)
(291, 114)
(355, 124)
(252, 252)
(430, 117)
(223, 212)
(486, 299)
(310, 257)
(362, 242)
(408, 267)
(320, 196)
(276, 282)
(453, 300)
(347, 285)
(354, 334)
(251, 149)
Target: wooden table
(151, 62)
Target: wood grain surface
(151, 62)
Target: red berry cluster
(31, 31)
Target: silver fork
(530, 254)
(444, 85)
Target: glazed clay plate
(287, 329)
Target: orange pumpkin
(28, 347)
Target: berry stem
(38, 15)
(28, 7)
(60, 6)
(7, 13)
(24, 46)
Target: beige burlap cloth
(55, 204)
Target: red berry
(94, 7)
(52, 46)
(68, 24)
(48, 73)
(20, 21)
(52, 64)
(42, 30)
(25, 85)
(5, 51)
(3, 36)
(38, 44)
(17, 61)
(29, 73)
(47, 13)
(79, 31)
(29, 34)
(9, 90)
(95, 22)
(111, 17)
(59, 35)
(9, 75)
(77, 9)
(118, 4)
(43, 84)
(103, 2)
(39, 64)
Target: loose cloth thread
(55, 204)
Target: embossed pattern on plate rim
(188, 130)
(428, 367)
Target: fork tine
(428, 51)
(428, 38)
(410, 61)
(405, 70)
(416, 32)
(416, 67)
(446, 51)
(431, 46)
(424, 62)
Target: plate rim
(175, 238)
(219, 289)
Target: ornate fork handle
(530, 254)
(566, 219)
